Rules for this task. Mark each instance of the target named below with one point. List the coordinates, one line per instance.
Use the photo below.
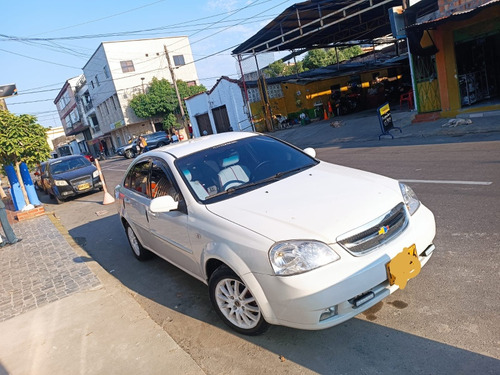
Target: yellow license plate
(403, 267)
(83, 186)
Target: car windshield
(236, 167)
(61, 166)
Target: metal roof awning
(456, 16)
(322, 23)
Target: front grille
(81, 180)
(375, 233)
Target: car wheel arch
(248, 278)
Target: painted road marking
(484, 183)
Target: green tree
(345, 53)
(279, 69)
(22, 139)
(160, 100)
(316, 58)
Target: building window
(179, 60)
(97, 80)
(64, 101)
(253, 95)
(106, 72)
(274, 91)
(127, 66)
(68, 122)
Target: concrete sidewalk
(363, 127)
(61, 313)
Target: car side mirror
(310, 151)
(163, 204)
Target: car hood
(85, 171)
(125, 147)
(320, 203)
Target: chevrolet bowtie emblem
(383, 230)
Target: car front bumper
(300, 301)
(77, 187)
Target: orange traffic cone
(325, 115)
(108, 198)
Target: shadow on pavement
(354, 347)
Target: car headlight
(410, 198)
(95, 174)
(60, 182)
(293, 257)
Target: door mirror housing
(310, 151)
(163, 204)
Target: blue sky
(40, 68)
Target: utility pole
(171, 68)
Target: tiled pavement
(41, 269)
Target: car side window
(137, 178)
(161, 184)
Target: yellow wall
(298, 97)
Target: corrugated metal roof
(321, 23)
(455, 16)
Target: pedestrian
(105, 147)
(141, 142)
(7, 229)
(175, 137)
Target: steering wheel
(230, 184)
(259, 167)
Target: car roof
(180, 149)
(62, 158)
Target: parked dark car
(154, 140)
(39, 176)
(68, 176)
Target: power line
(34, 58)
(102, 18)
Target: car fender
(223, 253)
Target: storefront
(456, 57)
(477, 51)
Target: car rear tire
(129, 154)
(137, 249)
(234, 303)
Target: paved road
(443, 322)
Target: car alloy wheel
(129, 154)
(235, 303)
(139, 251)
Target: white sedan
(278, 236)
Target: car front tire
(235, 303)
(129, 154)
(137, 249)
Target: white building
(72, 103)
(119, 70)
(219, 110)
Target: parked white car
(278, 236)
